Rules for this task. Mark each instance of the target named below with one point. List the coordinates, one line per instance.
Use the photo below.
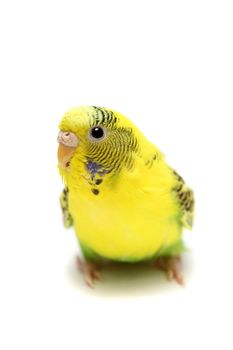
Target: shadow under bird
(125, 202)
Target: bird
(126, 204)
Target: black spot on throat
(98, 182)
(95, 191)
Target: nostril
(68, 139)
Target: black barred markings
(179, 178)
(151, 161)
(67, 218)
(103, 116)
(116, 151)
(110, 155)
(185, 194)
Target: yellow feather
(136, 212)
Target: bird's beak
(68, 142)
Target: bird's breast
(125, 222)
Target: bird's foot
(90, 270)
(172, 266)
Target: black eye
(97, 133)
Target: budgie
(125, 202)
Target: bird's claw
(90, 271)
(172, 266)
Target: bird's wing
(67, 218)
(185, 199)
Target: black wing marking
(67, 218)
(186, 201)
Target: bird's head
(103, 140)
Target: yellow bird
(124, 201)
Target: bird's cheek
(64, 155)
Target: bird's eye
(97, 133)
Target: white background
(168, 66)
